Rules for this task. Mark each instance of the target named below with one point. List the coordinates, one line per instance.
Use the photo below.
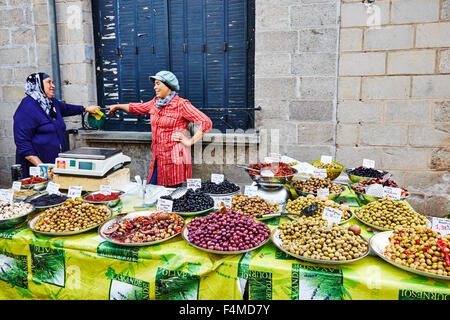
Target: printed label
(194, 184)
(441, 225)
(74, 192)
(367, 163)
(326, 159)
(320, 173)
(392, 193)
(35, 171)
(16, 185)
(164, 205)
(332, 215)
(52, 188)
(251, 191)
(176, 285)
(218, 202)
(217, 178)
(323, 192)
(106, 190)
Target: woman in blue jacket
(39, 128)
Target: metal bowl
(378, 244)
(36, 186)
(110, 203)
(219, 195)
(188, 214)
(354, 178)
(275, 181)
(275, 236)
(43, 194)
(352, 214)
(12, 222)
(304, 194)
(365, 197)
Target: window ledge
(146, 137)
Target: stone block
(5, 75)
(13, 93)
(321, 88)
(74, 94)
(426, 181)
(40, 14)
(444, 61)
(368, 63)
(276, 88)
(21, 73)
(391, 87)
(434, 87)
(389, 37)
(44, 55)
(22, 36)
(359, 111)
(276, 41)
(438, 205)
(409, 158)
(407, 111)
(272, 109)
(429, 135)
(349, 88)
(307, 153)
(417, 202)
(352, 157)
(7, 109)
(14, 56)
(318, 40)
(313, 15)
(71, 54)
(11, 17)
(268, 18)
(383, 135)
(445, 11)
(314, 64)
(411, 62)
(433, 35)
(316, 133)
(440, 159)
(411, 11)
(282, 132)
(311, 110)
(4, 37)
(355, 14)
(350, 39)
(441, 112)
(276, 64)
(347, 134)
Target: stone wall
(394, 95)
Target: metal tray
(185, 235)
(127, 216)
(32, 222)
(380, 241)
(110, 203)
(35, 186)
(12, 222)
(275, 237)
(194, 213)
(340, 223)
(304, 194)
(219, 195)
(365, 196)
(43, 194)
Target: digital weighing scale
(92, 162)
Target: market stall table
(84, 266)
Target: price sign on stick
(392, 193)
(441, 225)
(74, 192)
(164, 205)
(6, 195)
(17, 185)
(326, 159)
(332, 215)
(194, 184)
(320, 173)
(367, 163)
(218, 202)
(52, 188)
(35, 171)
(323, 192)
(251, 191)
(106, 190)
(217, 178)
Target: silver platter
(380, 241)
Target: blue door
(207, 44)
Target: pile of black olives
(366, 172)
(224, 187)
(191, 201)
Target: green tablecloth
(84, 266)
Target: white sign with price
(367, 163)
(332, 215)
(74, 192)
(6, 195)
(17, 185)
(276, 157)
(441, 225)
(392, 193)
(194, 184)
(218, 202)
(326, 159)
(164, 205)
(52, 188)
(106, 190)
(320, 173)
(217, 178)
(35, 171)
(323, 192)
(251, 191)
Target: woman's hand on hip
(179, 137)
(91, 109)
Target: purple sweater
(37, 134)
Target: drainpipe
(53, 34)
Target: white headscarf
(34, 88)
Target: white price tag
(326, 159)
(194, 184)
(320, 173)
(106, 190)
(251, 191)
(74, 192)
(218, 202)
(35, 171)
(323, 192)
(392, 193)
(217, 178)
(367, 163)
(332, 215)
(276, 157)
(441, 225)
(6, 195)
(17, 185)
(164, 205)
(52, 188)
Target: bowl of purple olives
(363, 174)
